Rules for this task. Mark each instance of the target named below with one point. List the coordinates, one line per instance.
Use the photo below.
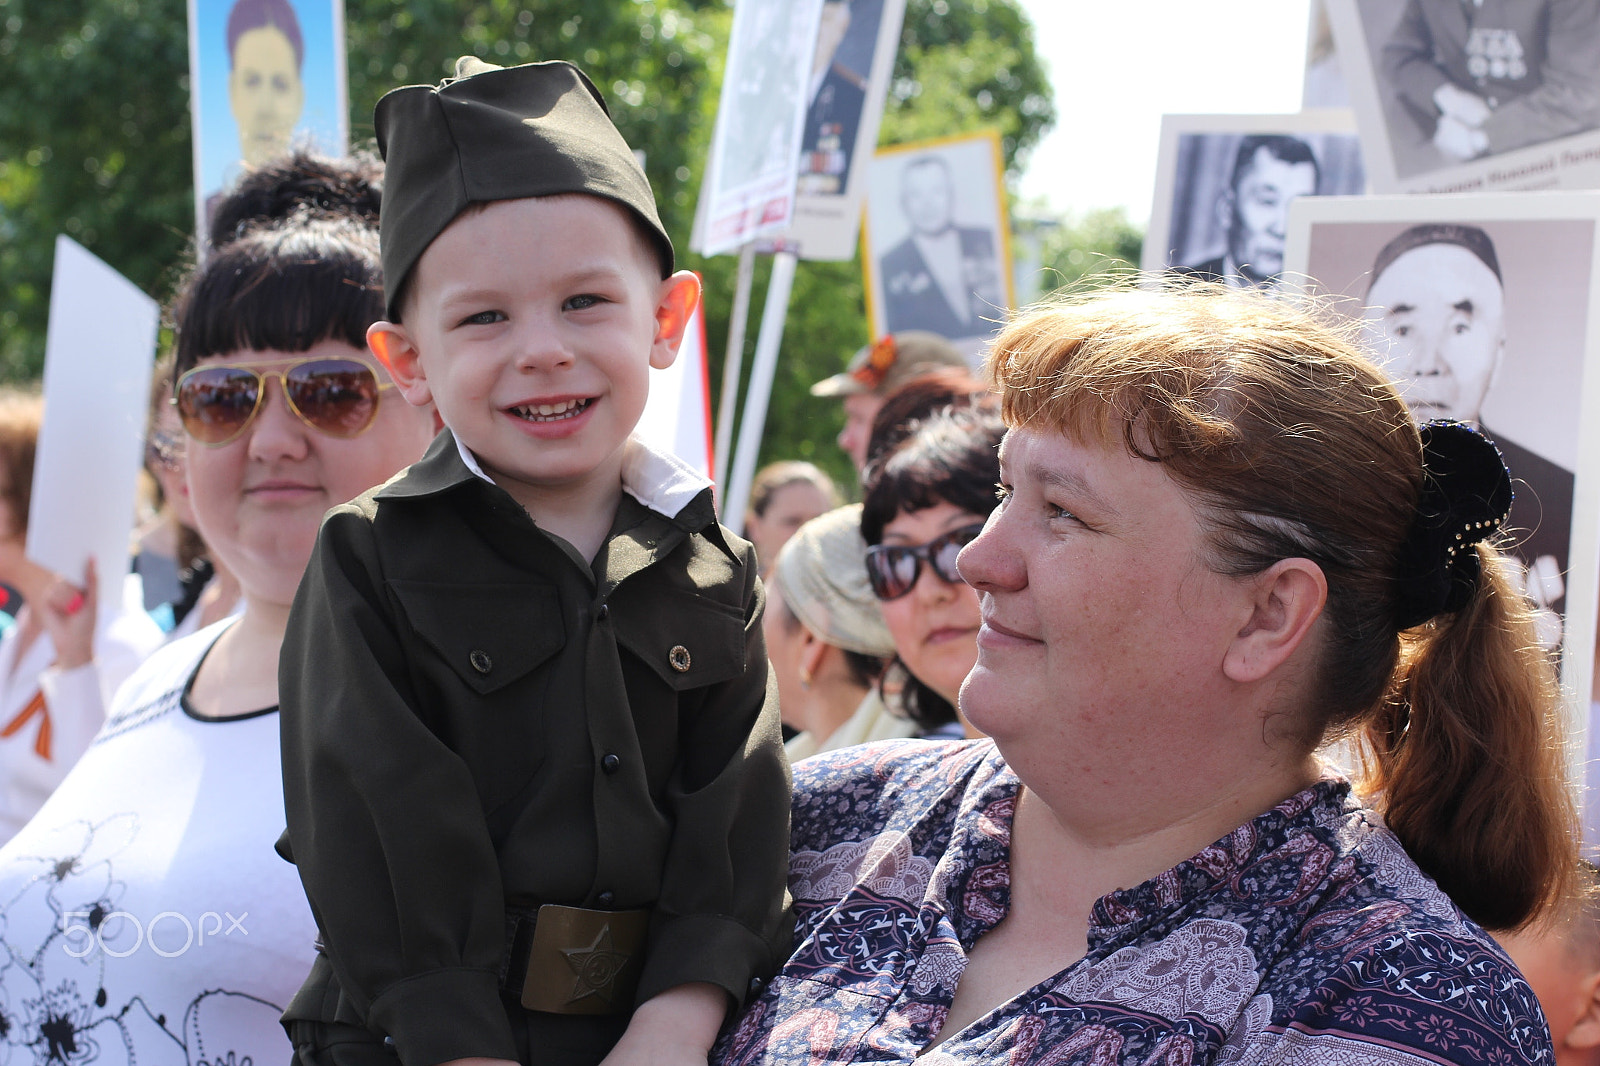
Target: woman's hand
(675, 1028)
(68, 614)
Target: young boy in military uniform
(532, 762)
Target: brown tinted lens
(337, 396)
(892, 570)
(215, 403)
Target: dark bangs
(953, 457)
(283, 287)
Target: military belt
(573, 960)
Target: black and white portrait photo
(1448, 85)
(1224, 186)
(1481, 318)
(1480, 308)
(845, 92)
(937, 239)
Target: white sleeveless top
(144, 918)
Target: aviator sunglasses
(338, 397)
(893, 569)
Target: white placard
(97, 363)
(749, 185)
(677, 416)
(1475, 98)
(849, 81)
(1483, 308)
(1224, 184)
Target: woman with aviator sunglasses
(925, 499)
(167, 824)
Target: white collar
(659, 480)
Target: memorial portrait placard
(1473, 97)
(1224, 184)
(264, 76)
(937, 248)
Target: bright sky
(1119, 65)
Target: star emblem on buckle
(597, 967)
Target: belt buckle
(584, 961)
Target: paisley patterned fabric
(1306, 936)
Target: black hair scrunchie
(1466, 497)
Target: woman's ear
(1585, 1031)
(812, 652)
(1287, 600)
(392, 344)
(676, 302)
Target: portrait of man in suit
(1482, 77)
(1437, 312)
(1269, 172)
(838, 95)
(943, 277)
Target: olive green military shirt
(474, 718)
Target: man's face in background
(1437, 315)
(1258, 212)
(927, 198)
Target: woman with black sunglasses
(925, 499)
(144, 907)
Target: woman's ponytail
(1467, 760)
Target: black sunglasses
(893, 569)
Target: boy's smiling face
(532, 325)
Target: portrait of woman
(266, 54)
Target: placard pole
(755, 401)
(733, 362)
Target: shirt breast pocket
(688, 642)
(488, 635)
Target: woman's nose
(988, 564)
(276, 431)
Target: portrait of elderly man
(943, 278)
(1482, 77)
(1437, 309)
(1269, 171)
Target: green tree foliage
(94, 143)
(94, 139)
(1095, 244)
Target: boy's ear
(678, 297)
(393, 346)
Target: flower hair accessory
(1466, 497)
(872, 372)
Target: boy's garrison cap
(498, 133)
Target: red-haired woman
(1222, 541)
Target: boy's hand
(676, 1028)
